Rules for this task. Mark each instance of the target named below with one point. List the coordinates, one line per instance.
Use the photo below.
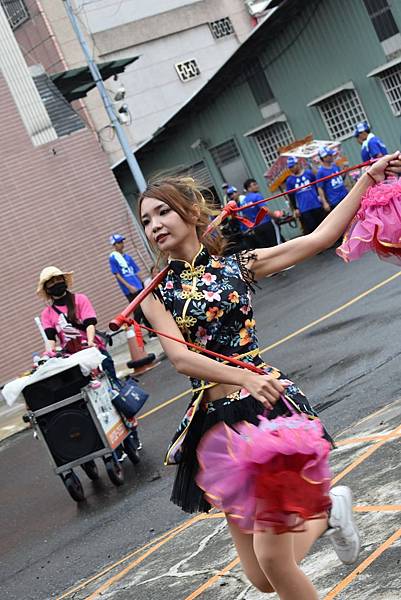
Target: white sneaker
(342, 530)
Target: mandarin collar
(201, 258)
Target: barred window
(382, 18)
(187, 70)
(391, 82)
(272, 137)
(225, 153)
(16, 12)
(340, 112)
(221, 28)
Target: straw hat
(49, 272)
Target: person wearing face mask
(69, 316)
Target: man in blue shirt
(332, 190)
(266, 234)
(124, 268)
(371, 145)
(310, 210)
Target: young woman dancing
(205, 299)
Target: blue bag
(130, 399)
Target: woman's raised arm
(272, 260)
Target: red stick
(231, 209)
(123, 317)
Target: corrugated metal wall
(328, 44)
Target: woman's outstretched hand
(264, 388)
(386, 166)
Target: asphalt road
(348, 364)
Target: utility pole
(122, 138)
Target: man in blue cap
(371, 145)
(266, 234)
(124, 268)
(310, 209)
(332, 190)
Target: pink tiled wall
(59, 204)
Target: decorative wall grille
(187, 70)
(221, 28)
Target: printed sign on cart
(109, 419)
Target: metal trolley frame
(109, 429)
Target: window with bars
(272, 137)
(221, 28)
(16, 12)
(391, 82)
(382, 18)
(225, 153)
(340, 112)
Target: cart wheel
(114, 470)
(74, 486)
(91, 470)
(131, 448)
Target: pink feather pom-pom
(377, 225)
(275, 476)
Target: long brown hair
(71, 308)
(183, 194)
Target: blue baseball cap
(361, 128)
(231, 190)
(116, 238)
(326, 151)
(291, 161)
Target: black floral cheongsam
(210, 300)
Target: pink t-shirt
(83, 310)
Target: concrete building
(181, 44)
(310, 68)
(60, 202)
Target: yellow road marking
(155, 545)
(364, 565)
(355, 463)
(213, 580)
(109, 568)
(368, 438)
(378, 508)
(164, 404)
(136, 562)
(289, 336)
(343, 473)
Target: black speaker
(55, 388)
(70, 432)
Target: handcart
(74, 417)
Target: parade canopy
(307, 151)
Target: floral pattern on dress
(211, 304)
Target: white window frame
(268, 147)
(16, 12)
(349, 111)
(390, 81)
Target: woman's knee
(260, 582)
